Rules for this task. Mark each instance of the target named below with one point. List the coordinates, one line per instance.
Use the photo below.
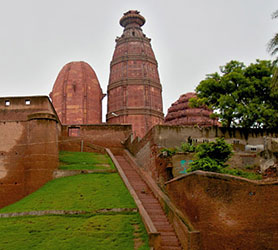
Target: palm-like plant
(272, 47)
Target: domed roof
(77, 94)
(180, 113)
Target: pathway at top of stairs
(169, 240)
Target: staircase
(169, 240)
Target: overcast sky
(190, 39)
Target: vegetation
(73, 232)
(84, 160)
(241, 96)
(219, 151)
(241, 173)
(212, 156)
(85, 192)
(273, 50)
(185, 147)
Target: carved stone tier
(180, 113)
(134, 89)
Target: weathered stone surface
(134, 90)
(181, 114)
(28, 145)
(77, 96)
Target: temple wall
(230, 212)
(103, 135)
(28, 147)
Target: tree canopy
(273, 50)
(273, 43)
(241, 96)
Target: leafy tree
(273, 49)
(273, 43)
(241, 96)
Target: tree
(273, 43)
(273, 49)
(241, 96)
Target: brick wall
(230, 212)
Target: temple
(134, 89)
(77, 96)
(180, 113)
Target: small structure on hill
(180, 113)
(77, 95)
(134, 90)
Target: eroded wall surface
(230, 212)
(110, 136)
(28, 146)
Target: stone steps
(169, 239)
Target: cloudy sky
(190, 39)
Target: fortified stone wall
(147, 149)
(230, 212)
(29, 131)
(112, 136)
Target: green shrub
(220, 150)
(168, 151)
(205, 164)
(186, 147)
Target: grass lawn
(84, 160)
(84, 192)
(73, 232)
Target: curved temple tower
(134, 89)
(180, 113)
(77, 96)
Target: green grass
(85, 192)
(83, 160)
(241, 173)
(72, 232)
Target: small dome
(76, 95)
(180, 113)
(132, 17)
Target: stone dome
(77, 95)
(181, 114)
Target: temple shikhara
(180, 113)
(180, 208)
(77, 95)
(134, 89)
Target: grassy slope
(83, 160)
(69, 232)
(86, 192)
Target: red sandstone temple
(134, 90)
(181, 114)
(77, 96)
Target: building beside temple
(134, 89)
